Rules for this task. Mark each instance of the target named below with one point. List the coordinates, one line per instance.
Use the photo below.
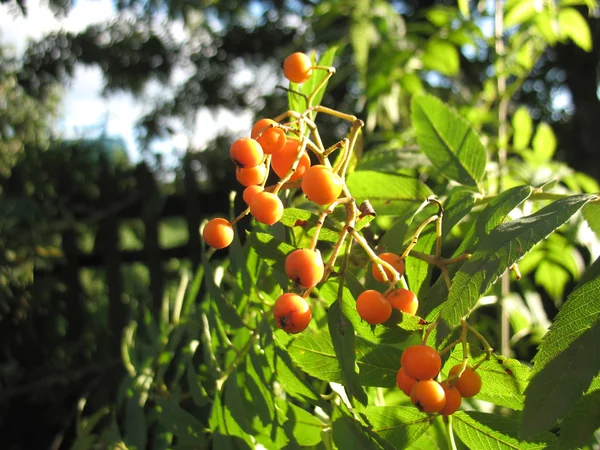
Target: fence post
(107, 244)
(192, 213)
(151, 210)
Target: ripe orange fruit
(373, 307)
(469, 383)
(297, 67)
(453, 400)
(246, 152)
(282, 161)
(292, 313)
(266, 207)
(305, 267)
(250, 191)
(421, 362)
(218, 233)
(248, 176)
(392, 259)
(271, 139)
(321, 185)
(404, 300)
(428, 396)
(404, 382)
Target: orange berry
(404, 300)
(428, 396)
(392, 259)
(321, 185)
(282, 161)
(292, 313)
(246, 152)
(469, 383)
(421, 362)
(250, 191)
(248, 176)
(266, 207)
(404, 382)
(453, 400)
(218, 233)
(305, 267)
(271, 139)
(373, 307)
(297, 67)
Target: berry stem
(415, 237)
(380, 263)
(451, 441)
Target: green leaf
(544, 143)
(521, 12)
(578, 427)
(257, 385)
(294, 217)
(505, 245)
(441, 56)
(227, 432)
(463, 6)
(493, 431)
(569, 347)
(591, 213)
(287, 377)
(342, 336)
(315, 354)
(185, 427)
(348, 434)
(573, 25)
(399, 425)
(135, 423)
(391, 160)
(503, 379)
(523, 128)
(303, 426)
(448, 141)
(389, 194)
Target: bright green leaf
(521, 12)
(544, 143)
(573, 25)
(441, 56)
(523, 128)
(448, 141)
(399, 425)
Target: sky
(84, 111)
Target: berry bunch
(419, 365)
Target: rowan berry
(246, 152)
(404, 382)
(321, 185)
(469, 383)
(428, 396)
(373, 307)
(292, 313)
(404, 300)
(266, 207)
(421, 362)
(250, 191)
(283, 160)
(305, 267)
(248, 176)
(453, 400)
(394, 260)
(297, 67)
(218, 233)
(271, 139)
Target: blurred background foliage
(63, 202)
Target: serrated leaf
(503, 379)
(522, 128)
(399, 425)
(544, 143)
(303, 426)
(294, 217)
(441, 56)
(342, 336)
(574, 26)
(570, 346)
(315, 354)
(184, 426)
(448, 141)
(348, 434)
(389, 194)
(392, 160)
(505, 245)
(578, 427)
(493, 431)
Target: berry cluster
(420, 364)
